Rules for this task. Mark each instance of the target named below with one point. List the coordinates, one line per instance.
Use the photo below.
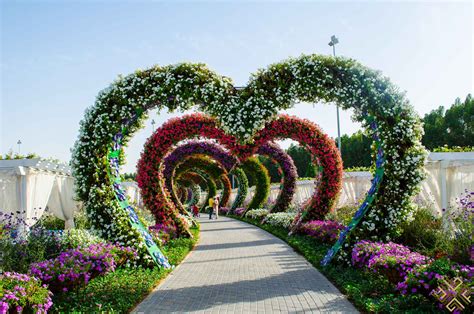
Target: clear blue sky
(55, 57)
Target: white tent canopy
(28, 186)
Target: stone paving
(239, 268)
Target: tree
(356, 150)
(455, 127)
(302, 159)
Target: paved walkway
(239, 268)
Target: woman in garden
(216, 206)
(211, 207)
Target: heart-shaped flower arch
(120, 109)
(178, 155)
(323, 149)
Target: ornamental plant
(75, 268)
(163, 233)
(423, 279)
(393, 260)
(257, 214)
(239, 211)
(120, 110)
(254, 168)
(192, 148)
(323, 230)
(224, 210)
(288, 172)
(22, 293)
(242, 188)
(280, 219)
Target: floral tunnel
(252, 166)
(165, 138)
(194, 182)
(120, 109)
(209, 169)
(179, 155)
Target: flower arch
(120, 109)
(289, 174)
(214, 151)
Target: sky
(57, 55)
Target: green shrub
(50, 222)
(74, 238)
(17, 254)
(21, 293)
(343, 215)
(423, 233)
(280, 219)
(256, 213)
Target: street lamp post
(19, 146)
(333, 43)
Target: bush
(425, 278)
(163, 233)
(423, 232)
(81, 221)
(17, 253)
(224, 210)
(257, 214)
(343, 215)
(324, 231)
(280, 219)
(73, 238)
(74, 268)
(461, 220)
(239, 211)
(22, 293)
(49, 222)
(393, 260)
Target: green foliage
(129, 176)
(454, 149)
(455, 127)
(17, 255)
(423, 233)
(50, 222)
(122, 290)
(275, 177)
(343, 215)
(26, 294)
(81, 221)
(243, 187)
(255, 169)
(302, 159)
(356, 150)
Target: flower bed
(394, 260)
(257, 214)
(224, 210)
(22, 293)
(75, 268)
(239, 211)
(280, 219)
(324, 230)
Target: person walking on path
(211, 207)
(216, 206)
(195, 210)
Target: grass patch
(369, 292)
(122, 290)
